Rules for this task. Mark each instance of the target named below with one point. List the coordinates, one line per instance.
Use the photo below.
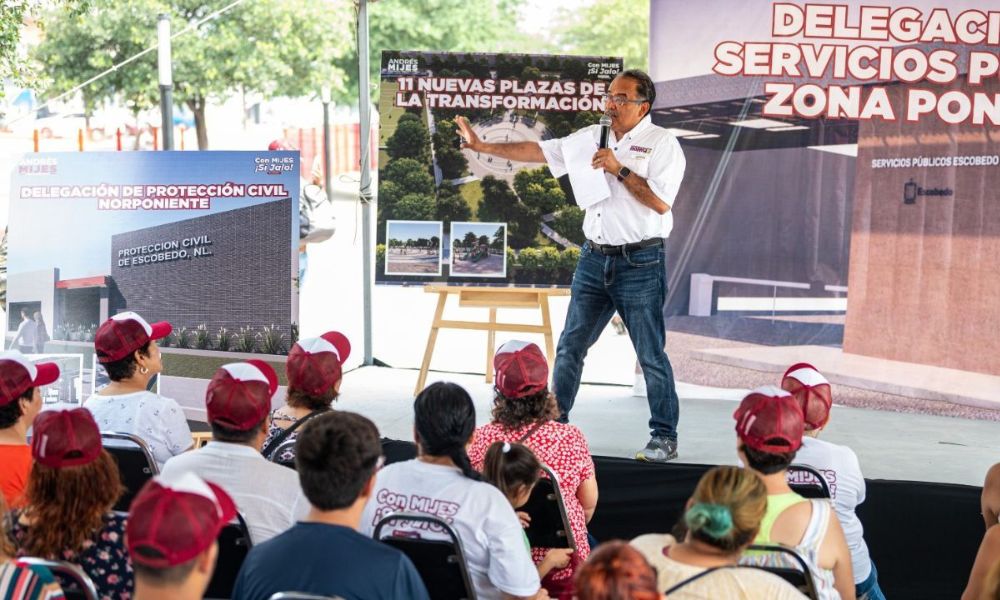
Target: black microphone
(605, 123)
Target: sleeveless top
(807, 548)
(776, 504)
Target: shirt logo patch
(641, 149)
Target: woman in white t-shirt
(722, 518)
(126, 348)
(442, 482)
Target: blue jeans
(869, 589)
(635, 285)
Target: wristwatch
(623, 173)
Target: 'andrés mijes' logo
(911, 190)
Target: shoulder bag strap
(531, 432)
(277, 441)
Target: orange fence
(345, 147)
(345, 144)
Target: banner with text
(205, 240)
(449, 214)
(842, 159)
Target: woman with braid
(722, 518)
(441, 482)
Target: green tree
(575, 32)
(539, 191)
(483, 240)
(499, 239)
(470, 239)
(569, 224)
(410, 175)
(410, 140)
(449, 158)
(451, 206)
(415, 207)
(268, 48)
(13, 14)
(438, 26)
(500, 204)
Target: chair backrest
(234, 545)
(549, 523)
(136, 464)
(795, 571)
(75, 583)
(807, 482)
(440, 563)
(301, 596)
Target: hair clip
(506, 447)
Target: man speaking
(621, 265)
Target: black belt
(610, 250)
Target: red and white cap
(521, 369)
(812, 392)
(17, 374)
(239, 394)
(65, 438)
(173, 520)
(315, 364)
(770, 420)
(124, 333)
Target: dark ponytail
(444, 419)
(510, 466)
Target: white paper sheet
(589, 184)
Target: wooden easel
(491, 298)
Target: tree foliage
(268, 47)
(451, 206)
(539, 191)
(410, 140)
(437, 26)
(623, 31)
(415, 207)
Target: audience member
(172, 529)
(20, 582)
(442, 482)
(126, 347)
(769, 426)
(72, 487)
(20, 402)
(238, 404)
(990, 498)
(838, 465)
(524, 411)
(978, 587)
(722, 519)
(616, 571)
(337, 456)
(314, 370)
(515, 471)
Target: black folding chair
(76, 585)
(440, 563)
(549, 523)
(136, 464)
(301, 596)
(795, 570)
(234, 545)
(808, 482)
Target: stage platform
(896, 446)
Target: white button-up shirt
(650, 152)
(267, 495)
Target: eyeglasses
(622, 99)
